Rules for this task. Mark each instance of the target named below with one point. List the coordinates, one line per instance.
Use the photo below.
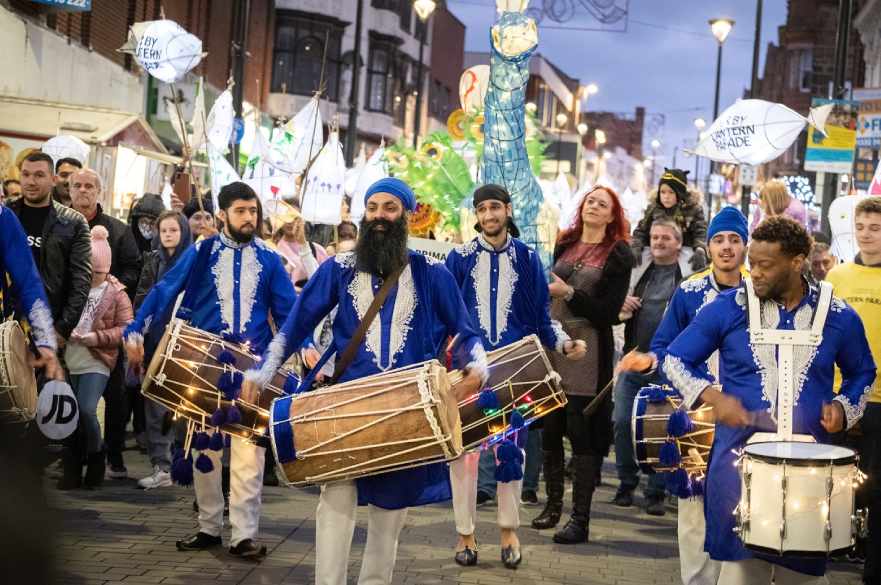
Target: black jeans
(589, 435)
(870, 493)
(117, 408)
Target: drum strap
(352, 349)
(785, 341)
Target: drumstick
(598, 399)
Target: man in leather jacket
(59, 238)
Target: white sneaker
(158, 479)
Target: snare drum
(797, 499)
(185, 377)
(18, 386)
(394, 420)
(521, 376)
(652, 409)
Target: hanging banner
(167, 51)
(68, 5)
(834, 152)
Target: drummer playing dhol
(231, 282)
(424, 301)
(25, 290)
(749, 378)
(504, 285)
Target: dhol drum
(394, 420)
(18, 386)
(195, 374)
(521, 377)
(797, 499)
(653, 408)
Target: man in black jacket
(60, 241)
(85, 187)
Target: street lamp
(699, 124)
(721, 28)
(423, 9)
(582, 129)
(561, 119)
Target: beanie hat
(393, 186)
(192, 206)
(496, 193)
(729, 219)
(101, 255)
(676, 179)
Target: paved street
(124, 535)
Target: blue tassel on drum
(291, 385)
(510, 467)
(182, 469)
(216, 442)
(200, 441)
(227, 358)
(204, 464)
(233, 415)
(230, 384)
(679, 424)
(487, 399)
(679, 484)
(218, 417)
(697, 487)
(670, 456)
(516, 420)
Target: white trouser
(695, 565)
(245, 486)
(334, 528)
(756, 572)
(463, 479)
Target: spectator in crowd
(201, 219)
(302, 256)
(91, 353)
(859, 283)
(142, 220)
(172, 239)
(85, 190)
(652, 284)
(59, 240)
(774, 199)
(11, 190)
(347, 236)
(591, 275)
(675, 202)
(64, 168)
(822, 261)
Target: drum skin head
(18, 385)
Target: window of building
(388, 75)
(801, 69)
(299, 50)
(403, 8)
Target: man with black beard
(424, 301)
(231, 282)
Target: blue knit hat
(729, 219)
(396, 187)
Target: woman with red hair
(591, 276)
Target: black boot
(583, 486)
(95, 470)
(552, 466)
(224, 482)
(72, 469)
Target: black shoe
(574, 532)
(467, 557)
(95, 471)
(552, 466)
(117, 472)
(483, 498)
(248, 549)
(511, 557)
(654, 506)
(270, 479)
(195, 505)
(529, 498)
(623, 498)
(199, 541)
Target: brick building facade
(622, 130)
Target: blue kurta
(231, 295)
(24, 294)
(424, 300)
(750, 374)
(506, 293)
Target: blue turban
(396, 187)
(729, 219)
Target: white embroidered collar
(231, 243)
(490, 248)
